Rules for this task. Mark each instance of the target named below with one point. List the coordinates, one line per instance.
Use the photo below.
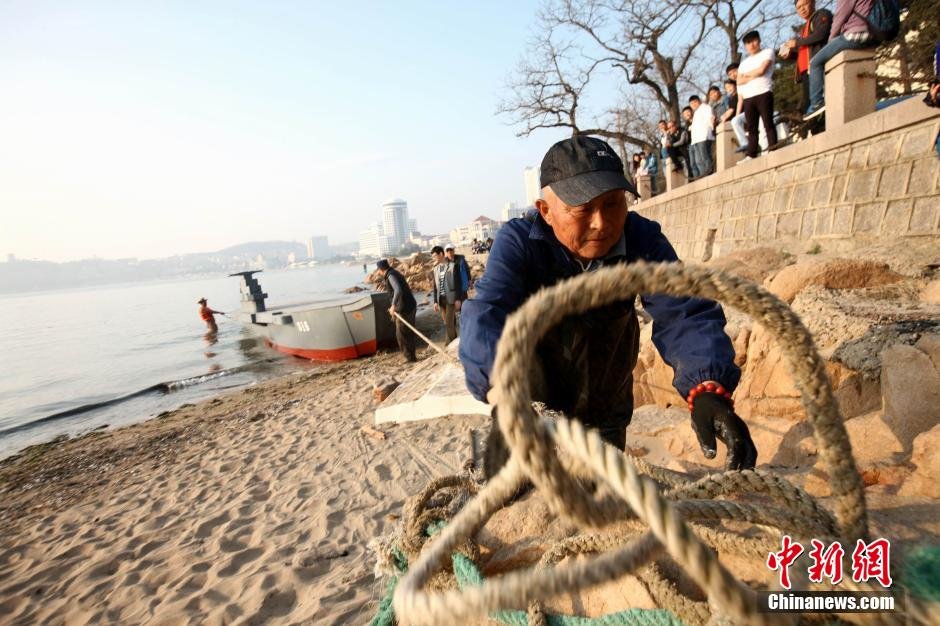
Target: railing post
(644, 187)
(850, 87)
(725, 156)
(674, 176)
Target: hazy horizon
(154, 130)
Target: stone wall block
(868, 217)
(858, 157)
(749, 230)
(897, 217)
(803, 171)
(840, 161)
(824, 222)
(861, 185)
(822, 165)
(894, 180)
(788, 225)
(842, 220)
(925, 215)
(766, 228)
(883, 151)
(838, 188)
(808, 225)
(802, 196)
(822, 191)
(924, 175)
(918, 142)
(780, 202)
(784, 176)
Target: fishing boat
(324, 330)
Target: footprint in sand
(240, 560)
(205, 529)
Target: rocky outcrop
(831, 274)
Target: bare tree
(735, 18)
(547, 87)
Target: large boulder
(925, 480)
(931, 292)
(831, 274)
(910, 383)
(755, 264)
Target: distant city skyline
(153, 130)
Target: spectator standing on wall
(755, 81)
(702, 136)
(849, 32)
(730, 100)
(663, 139)
(687, 114)
(717, 102)
(813, 36)
(678, 147)
(652, 168)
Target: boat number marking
(303, 326)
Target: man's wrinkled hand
(713, 417)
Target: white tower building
(533, 190)
(395, 222)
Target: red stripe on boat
(336, 354)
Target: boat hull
(330, 330)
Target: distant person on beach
(403, 306)
(585, 364)
(208, 315)
(449, 284)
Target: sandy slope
(253, 507)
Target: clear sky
(146, 129)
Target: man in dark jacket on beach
(585, 364)
(403, 306)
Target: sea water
(81, 359)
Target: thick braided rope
(532, 447)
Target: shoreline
(255, 505)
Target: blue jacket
(526, 256)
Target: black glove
(712, 416)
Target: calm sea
(79, 359)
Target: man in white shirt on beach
(702, 136)
(755, 83)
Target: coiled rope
(663, 512)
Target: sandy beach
(256, 506)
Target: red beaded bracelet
(711, 388)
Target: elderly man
(585, 365)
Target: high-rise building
(533, 189)
(373, 242)
(511, 211)
(318, 248)
(395, 222)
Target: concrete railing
(873, 176)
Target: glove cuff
(709, 387)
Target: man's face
(805, 8)
(714, 96)
(590, 230)
(733, 73)
(438, 257)
(672, 127)
(729, 89)
(687, 115)
(752, 46)
(450, 254)
(695, 104)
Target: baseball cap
(449, 246)
(200, 300)
(581, 168)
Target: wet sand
(256, 506)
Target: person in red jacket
(208, 315)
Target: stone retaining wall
(875, 177)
